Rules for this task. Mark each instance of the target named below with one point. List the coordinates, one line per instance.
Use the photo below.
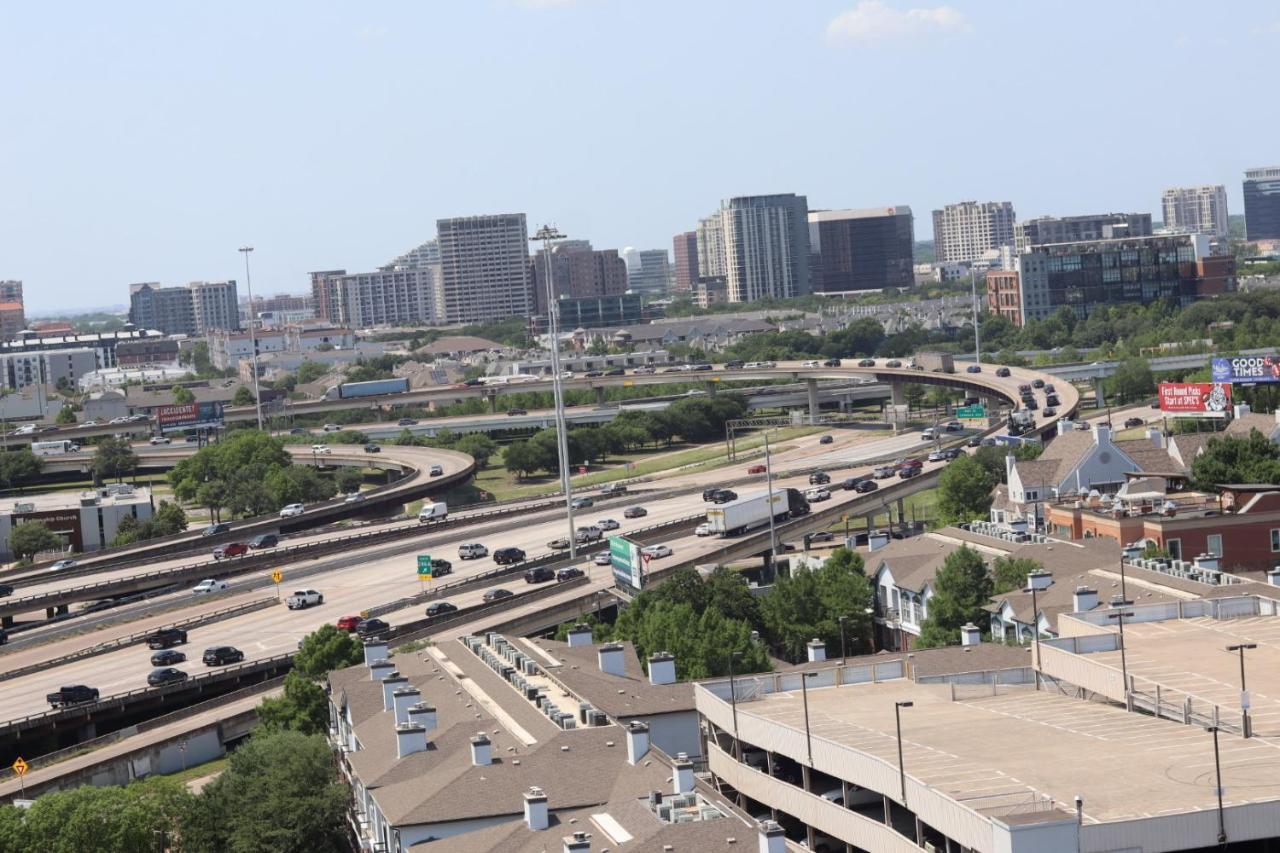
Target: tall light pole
(897, 720)
(977, 338)
(1244, 701)
(1119, 605)
(253, 335)
(547, 234)
(1217, 772)
(733, 700)
(804, 693)
(844, 653)
(773, 530)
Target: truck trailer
(752, 511)
(936, 362)
(372, 388)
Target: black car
(6, 589)
(1050, 411)
(406, 422)
(635, 512)
(867, 362)
(440, 567)
(215, 529)
(1002, 371)
(950, 453)
(908, 473)
(497, 594)
(294, 431)
(569, 574)
(168, 657)
(517, 411)
(733, 365)
(1031, 404)
(507, 556)
(819, 478)
(541, 574)
(826, 439)
(373, 448)
(973, 368)
(1130, 423)
(166, 638)
(1049, 389)
(1037, 383)
(723, 496)
(440, 608)
(702, 366)
(1052, 400)
(865, 486)
(165, 675)
(616, 371)
(850, 484)
(831, 362)
(975, 441)
(264, 540)
(372, 628)
(222, 655)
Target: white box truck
(752, 511)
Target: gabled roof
(621, 697)
(913, 562)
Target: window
(1174, 547)
(1275, 539)
(1214, 544)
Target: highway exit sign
(424, 565)
(971, 412)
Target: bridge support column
(711, 388)
(493, 401)
(896, 395)
(6, 621)
(63, 609)
(599, 389)
(902, 513)
(88, 731)
(1100, 400)
(812, 386)
(49, 612)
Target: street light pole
(547, 234)
(1035, 629)
(1244, 706)
(1217, 772)
(1120, 615)
(733, 700)
(897, 720)
(844, 653)
(253, 335)
(804, 694)
(977, 338)
(773, 530)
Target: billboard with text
(1247, 368)
(1195, 398)
(189, 416)
(627, 562)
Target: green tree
(213, 496)
(348, 480)
(478, 446)
(109, 819)
(243, 397)
(114, 457)
(913, 393)
(1133, 379)
(1010, 573)
(302, 707)
(309, 371)
(18, 467)
(406, 439)
(961, 589)
(182, 395)
(808, 605)
(964, 491)
(66, 416)
(1235, 459)
(32, 537)
(326, 649)
(521, 458)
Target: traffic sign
(424, 565)
(277, 575)
(20, 766)
(971, 412)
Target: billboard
(189, 416)
(627, 562)
(1195, 398)
(1247, 368)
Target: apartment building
(966, 231)
(1071, 229)
(648, 272)
(766, 246)
(386, 297)
(193, 309)
(10, 290)
(103, 344)
(684, 250)
(425, 255)
(712, 262)
(1196, 210)
(868, 249)
(577, 272)
(228, 349)
(485, 268)
(1004, 295)
(1262, 203)
(13, 319)
(18, 370)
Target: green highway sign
(971, 412)
(424, 565)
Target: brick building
(1004, 295)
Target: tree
(964, 491)
(1234, 459)
(521, 458)
(348, 480)
(32, 537)
(182, 395)
(1132, 379)
(326, 649)
(66, 416)
(309, 371)
(19, 466)
(169, 519)
(109, 819)
(913, 393)
(280, 792)
(302, 707)
(405, 438)
(243, 397)
(1010, 573)
(808, 605)
(114, 458)
(960, 590)
(213, 496)
(478, 446)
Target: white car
(812, 363)
(304, 598)
(89, 423)
(656, 552)
(353, 498)
(703, 529)
(936, 456)
(292, 510)
(472, 551)
(62, 564)
(817, 495)
(608, 524)
(123, 419)
(332, 428)
(210, 585)
(158, 439)
(320, 448)
(601, 559)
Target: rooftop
(621, 697)
(112, 495)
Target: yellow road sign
(277, 575)
(20, 766)
(627, 383)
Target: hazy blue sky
(146, 140)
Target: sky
(147, 141)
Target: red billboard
(1195, 398)
(189, 416)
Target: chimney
(579, 635)
(1273, 576)
(682, 775)
(637, 741)
(1010, 462)
(876, 540)
(410, 739)
(480, 750)
(817, 650)
(402, 699)
(374, 651)
(1065, 426)
(393, 682)
(1039, 580)
(970, 634)
(535, 809)
(423, 715)
(1085, 599)
(772, 839)
(380, 669)
(612, 659)
(1156, 436)
(662, 668)
(1101, 434)
(577, 843)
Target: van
(264, 540)
(928, 434)
(433, 511)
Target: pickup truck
(72, 694)
(166, 638)
(304, 598)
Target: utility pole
(253, 335)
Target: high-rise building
(1262, 203)
(861, 249)
(966, 231)
(1004, 295)
(386, 297)
(426, 254)
(193, 309)
(10, 291)
(685, 251)
(13, 319)
(649, 273)
(485, 268)
(214, 305)
(577, 271)
(1071, 229)
(1196, 210)
(711, 256)
(766, 242)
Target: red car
(910, 463)
(231, 549)
(349, 623)
(756, 469)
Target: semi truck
(752, 511)
(936, 362)
(372, 388)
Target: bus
(54, 448)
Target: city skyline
(155, 168)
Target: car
(831, 362)
(1032, 405)
(1130, 423)
(973, 368)
(703, 529)
(90, 423)
(928, 434)
(884, 472)
(951, 453)
(6, 589)
(679, 369)
(436, 471)
(702, 366)
(635, 512)
(322, 449)
(292, 510)
(221, 655)
(298, 431)
(761, 365)
(1052, 400)
(733, 365)
(757, 469)
(231, 549)
(643, 371)
(372, 628)
(406, 422)
(908, 473)
(497, 595)
(1083, 426)
(165, 638)
(191, 439)
(210, 585)
(510, 556)
(1024, 389)
(1049, 388)
(974, 441)
(936, 456)
(908, 463)
(353, 498)
(813, 362)
(616, 371)
(372, 448)
(159, 439)
(1037, 383)
(541, 574)
(656, 552)
(264, 540)
(167, 657)
(819, 478)
(440, 608)
(819, 536)
(602, 559)
(953, 426)
(613, 490)
(1049, 411)
(223, 527)
(516, 411)
(332, 428)
(826, 439)
(349, 623)
(867, 362)
(724, 496)
(989, 442)
(893, 362)
(72, 694)
(165, 675)
(569, 573)
(1002, 372)
(1155, 404)
(582, 503)
(472, 551)
(818, 495)
(865, 486)
(301, 599)
(62, 564)
(608, 524)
